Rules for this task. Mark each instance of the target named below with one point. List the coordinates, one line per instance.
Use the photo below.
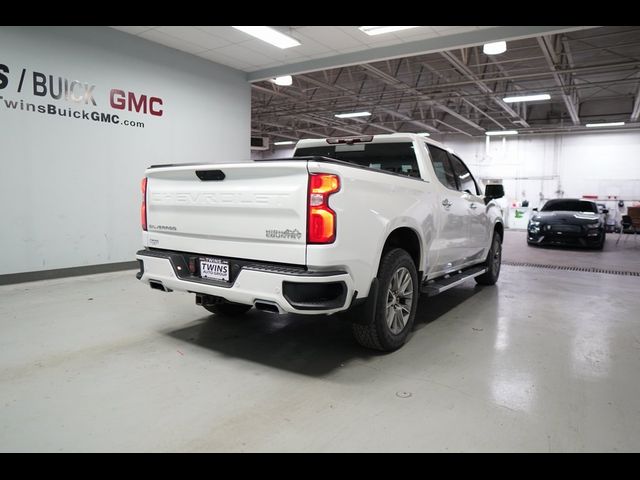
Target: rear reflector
(321, 223)
(143, 208)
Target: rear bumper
(292, 289)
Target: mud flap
(363, 312)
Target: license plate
(214, 268)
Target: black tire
(229, 309)
(600, 246)
(493, 262)
(378, 333)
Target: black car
(567, 221)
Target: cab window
(395, 157)
(464, 179)
(442, 166)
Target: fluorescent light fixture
(285, 142)
(284, 81)
(270, 35)
(501, 132)
(527, 98)
(610, 124)
(424, 134)
(353, 114)
(381, 30)
(494, 48)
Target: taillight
(321, 222)
(143, 208)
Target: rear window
(397, 157)
(570, 206)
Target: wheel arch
(407, 239)
(498, 228)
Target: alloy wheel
(399, 300)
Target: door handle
(446, 203)
(473, 206)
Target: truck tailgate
(251, 210)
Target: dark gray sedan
(567, 221)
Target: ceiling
(228, 46)
(592, 75)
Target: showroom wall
(274, 152)
(571, 165)
(83, 111)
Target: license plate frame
(212, 268)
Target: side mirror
(605, 211)
(493, 191)
(535, 209)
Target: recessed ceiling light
(283, 81)
(494, 48)
(381, 30)
(501, 132)
(610, 124)
(270, 35)
(527, 98)
(285, 142)
(353, 114)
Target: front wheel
(600, 245)
(493, 263)
(395, 304)
(229, 309)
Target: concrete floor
(545, 361)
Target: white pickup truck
(360, 225)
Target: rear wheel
(493, 263)
(396, 304)
(229, 309)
